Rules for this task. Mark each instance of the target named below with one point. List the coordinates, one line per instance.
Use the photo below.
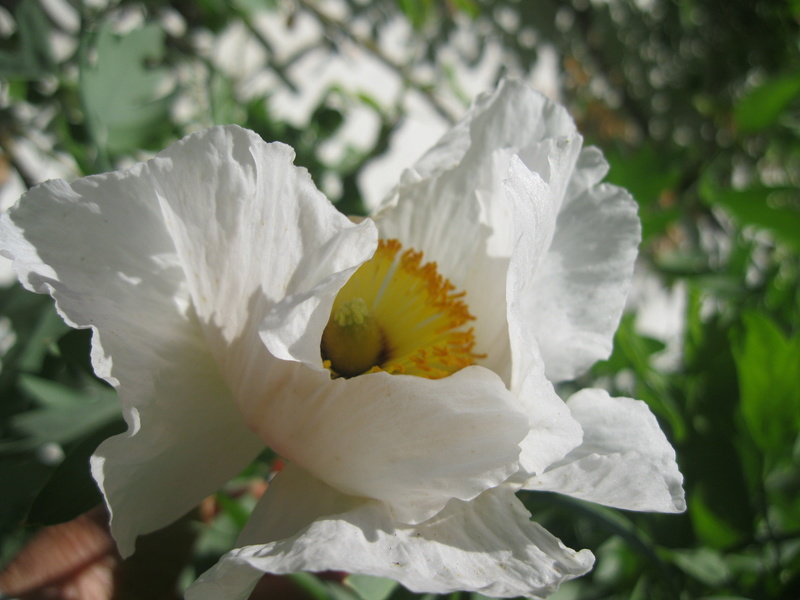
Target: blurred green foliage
(696, 104)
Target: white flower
(210, 273)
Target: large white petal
(625, 460)
(100, 247)
(473, 157)
(553, 431)
(579, 289)
(589, 171)
(411, 442)
(488, 545)
(186, 440)
(512, 116)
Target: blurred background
(696, 105)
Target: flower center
(398, 315)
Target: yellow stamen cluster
(398, 315)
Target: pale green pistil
(352, 340)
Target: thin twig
(334, 26)
(279, 70)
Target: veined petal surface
(579, 289)
(624, 461)
(487, 545)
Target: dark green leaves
(64, 414)
(768, 367)
(765, 104)
(776, 209)
(32, 57)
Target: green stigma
(352, 340)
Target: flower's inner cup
(398, 315)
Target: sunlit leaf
(126, 106)
(468, 7)
(225, 107)
(416, 11)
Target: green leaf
(633, 351)
(51, 394)
(310, 583)
(644, 173)
(704, 564)
(38, 328)
(416, 11)
(32, 59)
(336, 591)
(763, 105)
(65, 416)
(769, 383)
(709, 527)
(237, 512)
(758, 207)
(125, 106)
(371, 588)
(603, 518)
(650, 176)
(468, 7)
(71, 490)
(23, 475)
(225, 106)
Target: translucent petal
(578, 291)
(625, 460)
(487, 545)
(553, 431)
(410, 442)
(452, 204)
